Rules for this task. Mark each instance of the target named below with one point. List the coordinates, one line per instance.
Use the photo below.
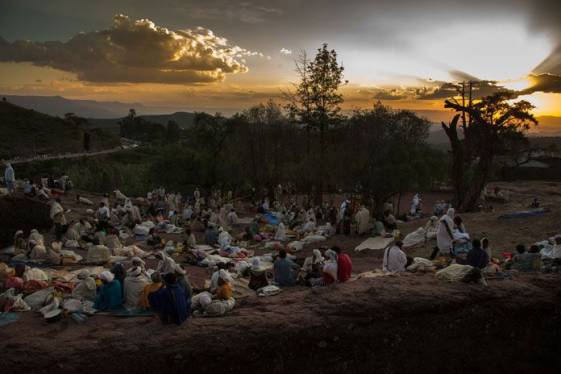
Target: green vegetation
(26, 133)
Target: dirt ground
(391, 324)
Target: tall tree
(476, 141)
(316, 100)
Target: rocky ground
(392, 324)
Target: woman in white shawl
(444, 234)
(362, 218)
(134, 285)
(224, 238)
(280, 235)
(86, 287)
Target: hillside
(183, 119)
(25, 132)
(58, 106)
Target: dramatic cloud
(136, 51)
(548, 83)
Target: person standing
(10, 178)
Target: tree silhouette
(315, 102)
(490, 123)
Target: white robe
(280, 235)
(394, 259)
(133, 288)
(443, 238)
(363, 220)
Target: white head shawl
(255, 263)
(83, 274)
(135, 272)
(450, 213)
(223, 274)
(331, 254)
(107, 276)
(317, 256)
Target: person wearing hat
(109, 295)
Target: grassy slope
(25, 132)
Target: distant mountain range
(107, 114)
(59, 106)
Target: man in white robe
(395, 259)
(362, 218)
(444, 234)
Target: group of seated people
(316, 270)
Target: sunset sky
(225, 55)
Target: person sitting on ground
(312, 267)
(98, 253)
(224, 289)
(216, 275)
(20, 244)
(389, 221)
(395, 260)
(29, 189)
(524, 261)
(486, 245)
(133, 286)
(191, 241)
(329, 271)
(477, 257)
(285, 270)
(431, 228)
(86, 287)
(38, 251)
(153, 239)
(58, 217)
(280, 234)
(150, 288)
(109, 296)
(232, 218)
(211, 235)
(344, 265)
(170, 302)
(257, 275)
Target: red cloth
(344, 267)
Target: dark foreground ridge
(411, 323)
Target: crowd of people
(130, 262)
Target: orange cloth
(224, 292)
(147, 290)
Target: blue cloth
(524, 213)
(109, 296)
(271, 218)
(477, 258)
(171, 304)
(285, 272)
